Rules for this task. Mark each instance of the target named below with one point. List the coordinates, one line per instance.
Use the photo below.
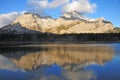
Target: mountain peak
(34, 14)
(74, 15)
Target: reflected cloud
(80, 75)
(55, 72)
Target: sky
(109, 9)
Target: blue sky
(110, 9)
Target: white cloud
(57, 3)
(6, 19)
(46, 3)
(39, 6)
(81, 6)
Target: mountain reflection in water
(33, 57)
(58, 61)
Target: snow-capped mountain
(71, 22)
(76, 16)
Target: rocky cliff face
(69, 23)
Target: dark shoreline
(17, 43)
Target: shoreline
(14, 43)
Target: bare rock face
(29, 21)
(34, 22)
(69, 23)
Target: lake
(60, 62)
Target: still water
(60, 62)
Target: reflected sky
(60, 62)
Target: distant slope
(16, 29)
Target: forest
(47, 37)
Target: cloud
(39, 6)
(47, 3)
(57, 3)
(81, 6)
(6, 19)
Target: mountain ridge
(69, 23)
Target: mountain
(71, 22)
(16, 28)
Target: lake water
(60, 62)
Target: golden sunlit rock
(64, 24)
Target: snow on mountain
(75, 15)
(16, 29)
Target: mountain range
(68, 23)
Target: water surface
(60, 62)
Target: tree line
(61, 37)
